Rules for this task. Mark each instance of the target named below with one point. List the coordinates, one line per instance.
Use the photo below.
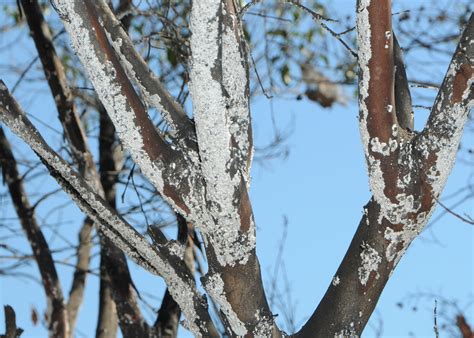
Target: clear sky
(321, 189)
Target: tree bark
(57, 314)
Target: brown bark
(114, 270)
(464, 327)
(167, 322)
(74, 133)
(11, 330)
(57, 321)
(348, 303)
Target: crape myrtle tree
(200, 166)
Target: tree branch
(76, 294)
(403, 179)
(114, 270)
(167, 168)
(63, 98)
(57, 318)
(167, 322)
(219, 90)
(75, 135)
(11, 330)
(403, 105)
(112, 225)
(153, 91)
(439, 141)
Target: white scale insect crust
(215, 287)
(213, 128)
(370, 262)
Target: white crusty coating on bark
(364, 55)
(102, 76)
(264, 327)
(370, 262)
(107, 221)
(215, 287)
(443, 142)
(151, 99)
(218, 116)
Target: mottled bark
(152, 89)
(114, 270)
(167, 322)
(57, 315)
(405, 171)
(202, 168)
(219, 91)
(107, 221)
(74, 134)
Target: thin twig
(468, 221)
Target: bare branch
(439, 141)
(153, 91)
(107, 220)
(404, 176)
(76, 294)
(58, 319)
(54, 73)
(114, 269)
(11, 330)
(168, 169)
(403, 105)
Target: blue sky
(321, 189)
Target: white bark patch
(112, 225)
(102, 76)
(152, 100)
(264, 327)
(336, 280)
(394, 212)
(364, 55)
(370, 262)
(347, 333)
(220, 117)
(445, 148)
(214, 285)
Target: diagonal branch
(151, 88)
(108, 222)
(54, 72)
(163, 164)
(439, 141)
(75, 135)
(58, 319)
